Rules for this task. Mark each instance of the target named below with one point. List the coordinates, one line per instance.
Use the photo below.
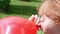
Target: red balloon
(17, 25)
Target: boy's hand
(35, 19)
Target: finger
(36, 17)
(38, 21)
(31, 18)
(42, 19)
(39, 24)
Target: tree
(4, 4)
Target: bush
(4, 4)
(32, 0)
(26, 0)
(37, 0)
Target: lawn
(22, 9)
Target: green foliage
(36, 0)
(4, 4)
(33, 0)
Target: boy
(50, 17)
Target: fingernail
(36, 15)
(32, 15)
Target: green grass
(22, 9)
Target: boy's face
(48, 25)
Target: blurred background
(22, 8)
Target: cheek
(47, 25)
